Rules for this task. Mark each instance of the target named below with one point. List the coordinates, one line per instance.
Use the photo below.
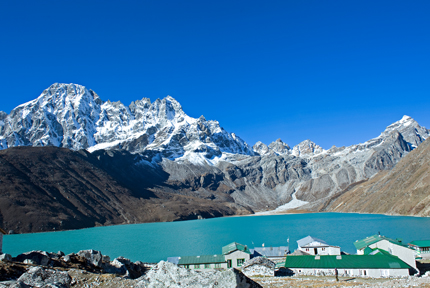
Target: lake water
(152, 242)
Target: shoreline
(265, 213)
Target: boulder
(166, 274)
(34, 257)
(94, 257)
(258, 266)
(41, 277)
(5, 257)
(114, 267)
(124, 266)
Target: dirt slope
(404, 190)
(49, 188)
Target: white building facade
(393, 247)
(314, 246)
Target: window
(187, 266)
(240, 262)
(207, 266)
(218, 265)
(196, 266)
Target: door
(316, 251)
(228, 263)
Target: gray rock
(34, 257)
(5, 257)
(41, 277)
(167, 274)
(258, 266)
(115, 267)
(94, 257)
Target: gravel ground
(326, 281)
(86, 280)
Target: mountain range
(156, 153)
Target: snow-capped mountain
(70, 116)
(258, 178)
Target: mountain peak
(71, 116)
(306, 148)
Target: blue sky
(335, 72)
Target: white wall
(375, 273)
(237, 255)
(407, 255)
(202, 267)
(324, 250)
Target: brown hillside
(49, 188)
(405, 190)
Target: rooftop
(309, 239)
(271, 251)
(360, 244)
(233, 247)
(346, 261)
(420, 243)
(202, 259)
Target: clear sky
(335, 72)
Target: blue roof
(270, 251)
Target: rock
(114, 267)
(94, 257)
(41, 277)
(5, 257)
(167, 274)
(68, 257)
(124, 266)
(34, 257)
(258, 266)
(106, 258)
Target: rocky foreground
(90, 268)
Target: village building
(236, 254)
(391, 246)
(1, 239)
(376, 266)
(422, 248)
(233, 256)
(275, 254)
(313, 246)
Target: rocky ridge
(400, 191)
(71, 116)
(197, 158)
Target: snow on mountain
(69, 115)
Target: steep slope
(49, 188)
(404, 190)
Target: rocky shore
(89, 268)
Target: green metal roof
(370, 251)
(346, 261)
(360, 244)
(420, 243)
(203, 259)
(233, 247)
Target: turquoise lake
(152, 242)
